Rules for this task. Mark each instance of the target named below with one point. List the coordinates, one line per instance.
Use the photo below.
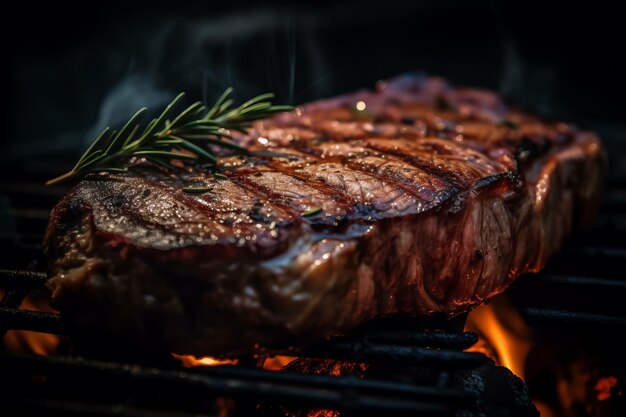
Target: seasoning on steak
(415, 198)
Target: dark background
(68, 76)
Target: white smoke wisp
(132, 93)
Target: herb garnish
(312, 212)
(189, 131)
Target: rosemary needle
(312, 212)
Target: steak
(414, 198)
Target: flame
(38, 343)
(503, 335)
(276, 363)
(24, 341)
(271, 363)
(544, 409)
(190, 361)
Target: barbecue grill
(416, 366)
(63, 69)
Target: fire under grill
(393, 366)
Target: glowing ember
(503, 335)
(190, 361)
(604, 386)
(323, 413)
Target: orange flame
(272, 363)
(43, 344)
(276, 363)
(38, 343)
(190, 361)
(501, 328)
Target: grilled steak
(413, 198)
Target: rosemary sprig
(164, 137)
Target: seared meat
(414, 198)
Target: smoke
(255, 51)
(144, 56)
(511, 80)
(523, 80)
(132, 93)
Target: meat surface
(413, 198)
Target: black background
(73, 71)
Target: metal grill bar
(370, 352)
(597, 251)
(35, 321)
(12, 299)
(14, 278)
(571, 318)
(583, 281)
(426, 339)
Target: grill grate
(584, 286)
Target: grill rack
(429, 393)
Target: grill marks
(341, 180)
(369, 194)
(378, 177)
(296, 195)
(458, 166)
(156, 215)
(355, 160)
(411, 180)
